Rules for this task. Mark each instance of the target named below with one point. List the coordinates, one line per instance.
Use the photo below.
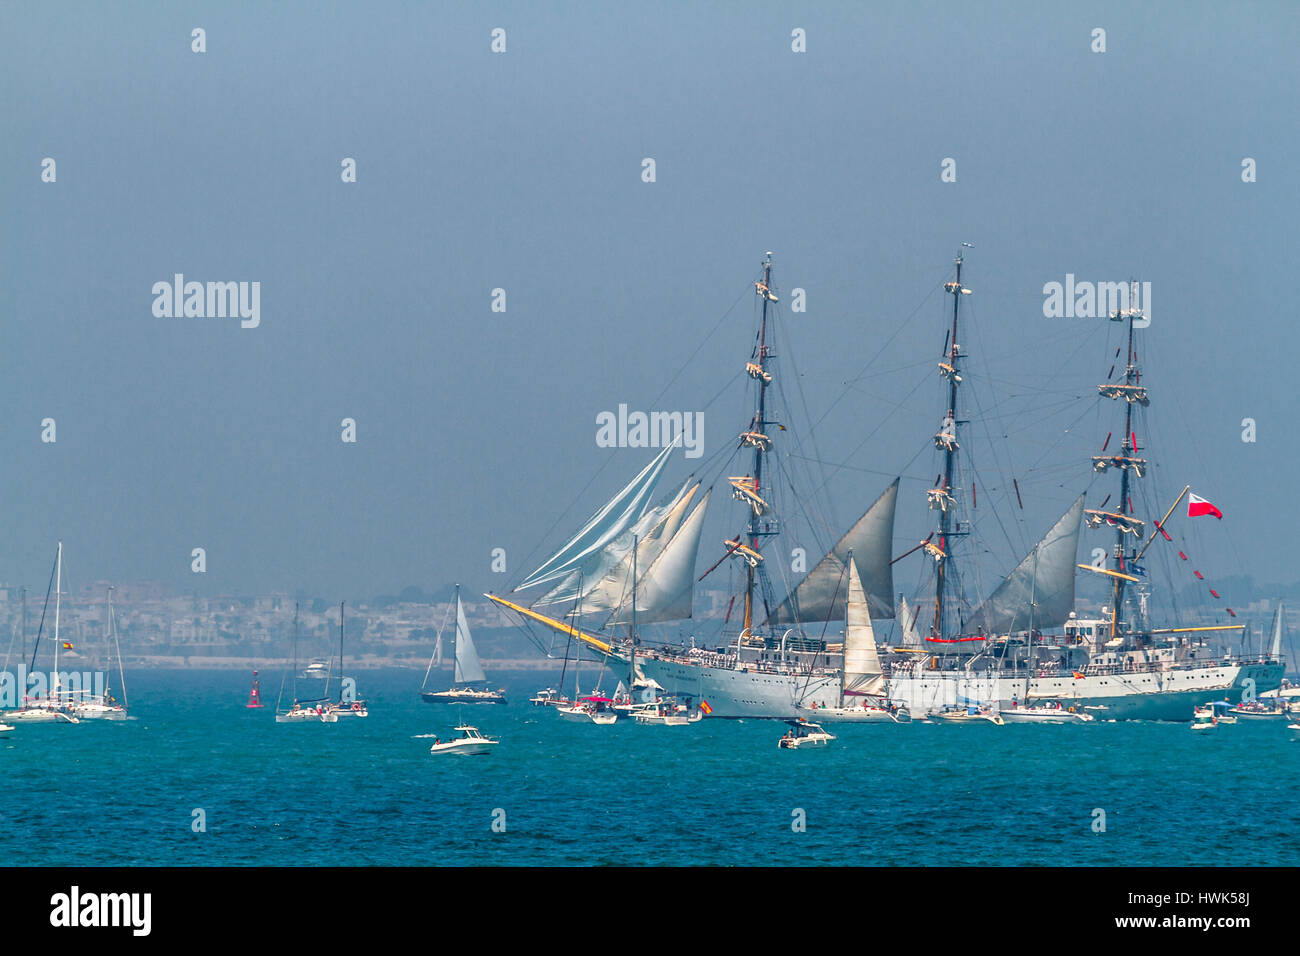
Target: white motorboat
(1203, 718)
(1043, 714)
(5, 730)
(804, 733)
(1295, 730)
(665, 712)
(550, 697)
(966, 715)
(1223, 711)
(319, 669)
(470, 743)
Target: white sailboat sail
(613, 589)
(468, 668)
(604, 526)
(871, 540)
(1276, 651)
(1044, 579)
(862, 671)
(666, 591)
(602, 577)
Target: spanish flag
(705, 708)
(1078, 676)
(67, 646)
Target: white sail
(907, 619)
(616, 586)
(1043, 579)
(862, 671)
(604, 526)
(1276, 652)
(603, 577)
(820, 595)
(666, 591)
(468, 668)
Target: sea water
(195, 778)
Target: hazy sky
(522, 170)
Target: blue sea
(720, 792)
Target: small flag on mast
(1197, 506)
(67, 646)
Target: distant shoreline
(177, 662)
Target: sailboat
(346, 708)
(105, 706)
(55, 707)
(315, 709)
(467, 673)
(634, 544)
(863, 683)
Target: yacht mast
(58, 591)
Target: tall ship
(1025, 644)
(633, 563)
(1114, 665)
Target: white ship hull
(1155, 695)
(743, 693)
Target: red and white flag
(1197, 506)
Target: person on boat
(436, 741)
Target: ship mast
(1128, 446)
(761, 443)
(946, 440)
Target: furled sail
(468, 668)
(1044, 578)
(862, 671)
(666, 591)
(820, 595)
(604, 526)
(611, 588)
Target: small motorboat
(1295, 730)
(665, 711)
(550, 697)
(1043, 713)
(1257, 709)
(804, 733)
(966, 715)
(470, 743)
(1223, 711)
(6, 730)
(1203, 718)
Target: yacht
(470, 743)
(804, 733)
